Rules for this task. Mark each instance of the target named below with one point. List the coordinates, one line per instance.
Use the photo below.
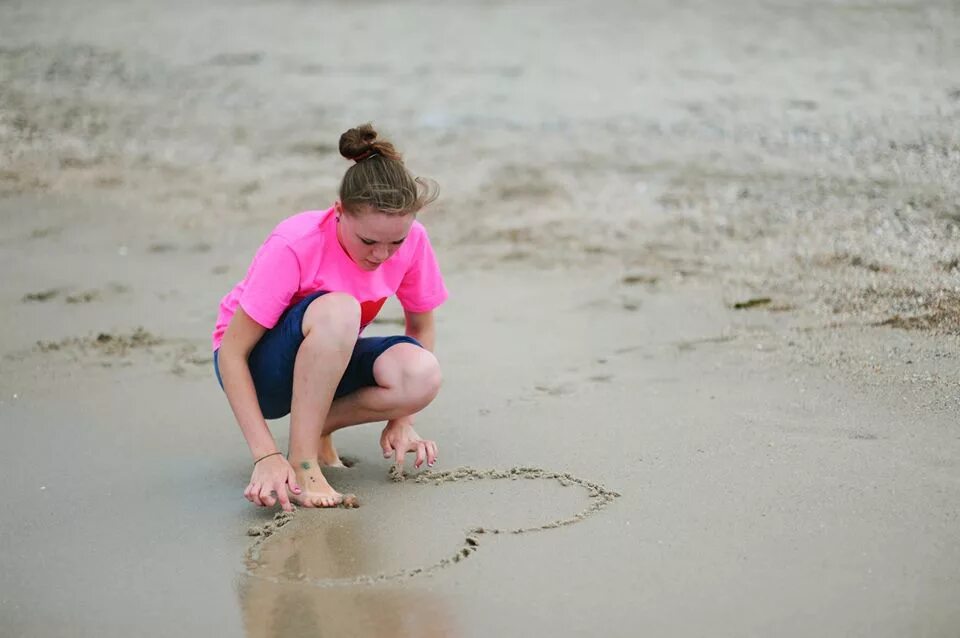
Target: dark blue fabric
(272, 359)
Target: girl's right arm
(241, 336)
(272, 474)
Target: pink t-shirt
(303, 256)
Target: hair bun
(378, 177)
(361, 142)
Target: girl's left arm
(420, 326)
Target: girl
(287, 336)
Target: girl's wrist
(402, 422)
(259, 452)
(266, 456)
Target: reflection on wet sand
(272, 610)
(333, 549)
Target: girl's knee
(423, 375)
(414, 372)
(334, 314)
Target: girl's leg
(330, 327)
(408, 378)
(328, 455)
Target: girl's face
(371, 237)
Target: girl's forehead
(381, 227)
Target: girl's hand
(399, 437)
(269, 482)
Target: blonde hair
(379, 178)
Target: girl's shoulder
(419, 232)
(305, 226)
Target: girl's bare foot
(316, 491)
(328, 454)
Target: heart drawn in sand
(278, 553)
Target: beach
(700, 354)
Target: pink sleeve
(422, 288)
(271, 283)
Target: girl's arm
(241, 336)
(421, 326)
(399, 436)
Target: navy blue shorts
(271, 361)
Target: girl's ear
(339, 208)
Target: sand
(257, 563)
(702, 256)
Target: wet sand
(702, 257)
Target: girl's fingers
(421, 453)
(283, 498)
(431, 453)
(292, 481)
(387, 449)
(398, 456)
(255, 495)
(266, 496)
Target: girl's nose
(380, 253)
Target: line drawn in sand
(599, 496)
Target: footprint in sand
(79, 297)
(576, 380)
(161, 247)
(450, 514)
(110, 349)
(41, 295)
(45, 231)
